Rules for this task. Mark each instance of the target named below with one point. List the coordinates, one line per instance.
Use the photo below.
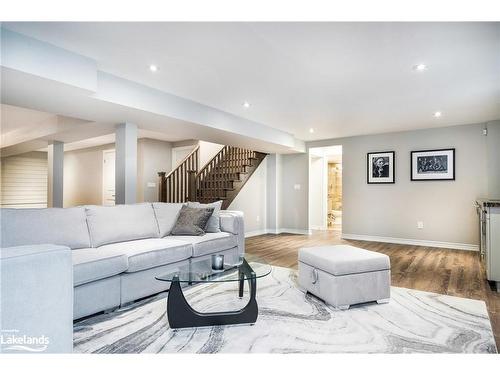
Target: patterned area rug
(292, 322)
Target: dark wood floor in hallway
(453, 272)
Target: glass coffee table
(182, 315)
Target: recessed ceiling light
(153, 68)
(437, 114)
(246, 104)
(420, 67)
(311, 130)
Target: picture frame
(433, 165)
(380, 167)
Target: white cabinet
(492, 253)
(489, 227)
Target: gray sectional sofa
(117, 251)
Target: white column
(272, 191)
(126, 163)
(55, 158)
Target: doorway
(334, 193)
(108, 178)
(325, 188)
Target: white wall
(83, 172)
(252, 200)
(24, 180)
(317, 192)
(83, 176)
(153, 156)
(393, 210)
(273, 185)
(207, 151)
(294, 192)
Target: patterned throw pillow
(213, 225)
(192, 221)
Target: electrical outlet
(296, 186)
(151, 184)
(257, 218)
(420, 224)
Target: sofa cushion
(210, 242)
(121, 223)
(166, 215)
(149, 253)
(31, 226)
(341, 260)
(94, 264)
(213, 224)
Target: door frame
(324, 183)
(103, 192)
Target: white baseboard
(256, 233)
(295, 231)
(277, 231)
(318, 227)
(410, 241)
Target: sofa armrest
(36, 299)
(233, 222)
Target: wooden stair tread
(219, 170)
(229, 180)
(213, 199)
(221, 188)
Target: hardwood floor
(453, 272)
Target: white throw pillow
(31, 226)
(120, 223)
(166, 215)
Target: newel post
(191, 186)
(161, 187)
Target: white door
(108, 178)
(179, 154)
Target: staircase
(221, 178)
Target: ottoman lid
(344, 259)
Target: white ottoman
(344, 275)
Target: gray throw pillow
(192, 221)
(213, 225)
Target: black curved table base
(182, 315)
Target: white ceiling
(341, 79)
(109, 138)
(14, 118)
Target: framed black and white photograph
(431, 165)
(380, 167)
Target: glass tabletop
(235, 268)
